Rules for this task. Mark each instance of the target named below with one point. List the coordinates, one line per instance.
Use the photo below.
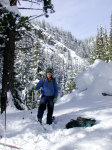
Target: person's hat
(49, 70)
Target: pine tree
(103, 46)
(37, 60)
(70, 84)
(106, 47)
(10, 29)
(100, 46)
(63, 80)
(95, 54)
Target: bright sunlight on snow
(86, 101)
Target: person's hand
(55, 100)
(38, 103)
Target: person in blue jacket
(49, 90)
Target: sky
(80, 17)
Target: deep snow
(86, 101)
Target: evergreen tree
(70, 83)
(95, 54)
(63, 80)
(100, 46)
(10, 29)
(103, 46)
(37, 60)
(106, 47)
(29, 68)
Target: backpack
(45, 78)
(81, 122)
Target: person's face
(49, 75)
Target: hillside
(43, 49)
(83, 48)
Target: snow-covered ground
(86, 101)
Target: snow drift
(97, 79)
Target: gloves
(38, 103)
(55, 100)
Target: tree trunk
(8, 63)
(8, 69)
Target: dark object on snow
(81, 122)
(106, 94)
(53, 119)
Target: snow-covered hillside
(43, 51)
(55, 47)
(87, 101)
(82, 48)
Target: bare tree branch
(30, 1)
(36, 17)
(29, 8)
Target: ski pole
(5, 128)
(25, 105)
(5, 98)
(32, 101)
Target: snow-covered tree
(106, 47)
(101, 45)
(11, 30)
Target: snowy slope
(29, 135)
(54, 47)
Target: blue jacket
(48, 88)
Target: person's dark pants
(46, 101)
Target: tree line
(102, 45)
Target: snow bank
(97, 78)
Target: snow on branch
(6, 4)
